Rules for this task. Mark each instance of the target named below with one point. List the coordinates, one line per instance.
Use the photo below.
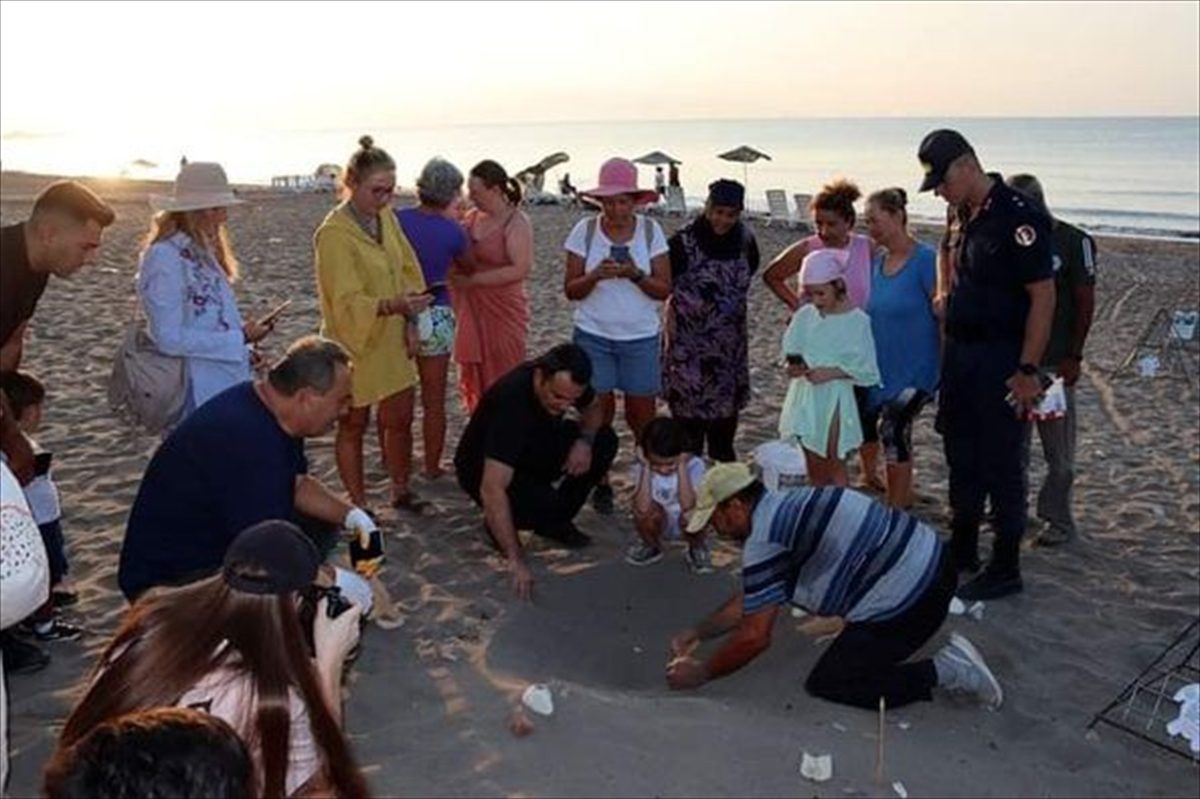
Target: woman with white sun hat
(185, 284)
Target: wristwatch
(1028, 369)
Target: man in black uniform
(998, 319)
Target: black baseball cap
(271, 557)
(937, 152)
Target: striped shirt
(836, 552)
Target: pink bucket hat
(619, 176)
(822, 266)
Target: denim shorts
(629, 366)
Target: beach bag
(782, 465)
(24, 567)
(145, 386)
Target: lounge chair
(676, 205)
(803, 201)
(777, 207)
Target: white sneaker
(961, 668)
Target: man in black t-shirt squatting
(527, 465)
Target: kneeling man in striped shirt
(883, 577)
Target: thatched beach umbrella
(535, 175)
(744, 155)
(656, 158)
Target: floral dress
(706, 364)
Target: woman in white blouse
(185, 285)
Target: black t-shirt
(1074, 265)
(1003, 249)
(511, 426)
(227, 466)
(20, 287)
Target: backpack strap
(589, 234)
(648, 232)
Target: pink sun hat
(619, 176)
(822, 266)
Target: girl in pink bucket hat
(829, 350)
(618, 276)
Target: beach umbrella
(656, 158)
(744, 155)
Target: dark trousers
(718, 432)
(866, 661)
(867, 419)
(985, 445)
(56, 550)
(544, 499)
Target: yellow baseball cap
(722, 482)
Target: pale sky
(107, 67)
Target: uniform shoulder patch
(1025, 235)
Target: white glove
(361, 524)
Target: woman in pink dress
(490, 301)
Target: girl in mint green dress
(829, 349)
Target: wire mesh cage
(1148, 706)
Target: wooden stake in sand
(879, 748)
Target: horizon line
(25, 134)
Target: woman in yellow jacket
(371, 290)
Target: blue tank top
(907, 345)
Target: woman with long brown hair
(232, 645)
(490, 301)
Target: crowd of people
(237, 607)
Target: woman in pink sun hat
(618, 275)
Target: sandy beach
(428, 704)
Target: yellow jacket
(353, 274)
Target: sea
(1112, 175)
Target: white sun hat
(198, 185)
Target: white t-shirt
(229, 695)
(617, 309)
(664, 489)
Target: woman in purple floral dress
(706, 372)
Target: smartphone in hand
(433, 288)
(270, 318)
(795, 359)
(620, 253)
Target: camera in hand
(309, 598)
